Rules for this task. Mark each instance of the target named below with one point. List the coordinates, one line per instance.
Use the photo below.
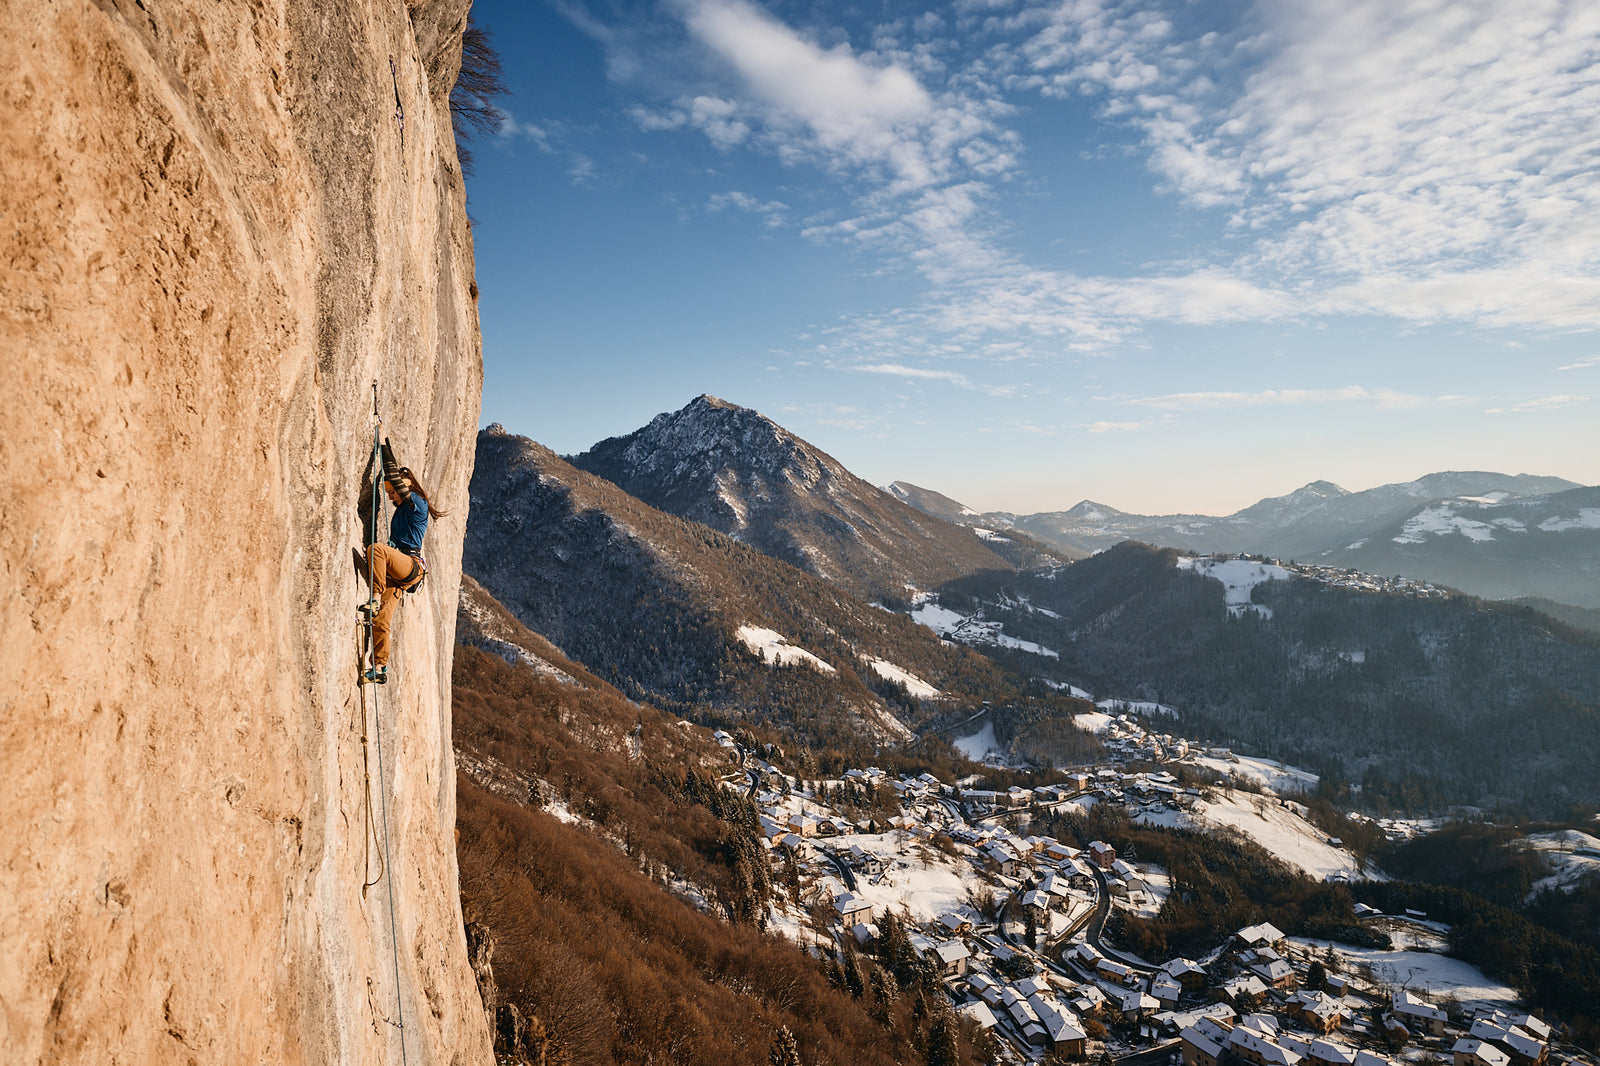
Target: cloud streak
(1236, 401)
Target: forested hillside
(1410, 702)
(654, 604)
(589, 826)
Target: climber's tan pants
(389, 567)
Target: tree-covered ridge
(594, 939)
(1407, 702)
(652, 603)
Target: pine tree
(784, 1052)
(942, 1049)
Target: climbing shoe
(378, 675)
(370, 608)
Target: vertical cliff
(213, 237)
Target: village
(1013, 925)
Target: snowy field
(1421, 971)
(1574, 856)
(1277, 828)
(1097, 722)
(1115, 706)
(926, 883)
(914, 684)
(1278, 778)
(953, 625)
(1238, 577)
(980, 745)
(777, 650)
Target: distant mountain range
(1496, 535)
(735, 470)
(1417, 696)
(1420, 696)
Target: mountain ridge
(735, 470)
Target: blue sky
(1166, 256)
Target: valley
(917, 789)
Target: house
(1000, 860)
(1328, 1053)
(1524, 1049)
(951, 957)
(1191, 975)
(1338, 985)
(863, 860)
(1135, 1004)
(1066, 1037)
(852, 909)
(1204, 1041)
(985, 988)
(955, 924)
(1254, 1046)
(980, 1013)
(1264, 935)
(1319, 1011)
(1166, 988)
(1115, 971)
(1245, 986)
(1088, 1000)
(1102, 854)
(1037, 902)
(1372, 1058)
(1271, 967)
(1470, 1052)
(865, 933)
(1418, 1016)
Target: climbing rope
(387, 873)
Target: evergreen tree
(942, 1049)
(784, 1052)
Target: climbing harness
(399, 108)
(387, 870)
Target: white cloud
(1451, 146)
(867, 114)
(1548, 403)
(1593, 360)
(1110, 427)
(1228, 401)
(772, 212)
(915, 372)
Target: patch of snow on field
(1136, 707)
(1574, 855)
(941, 620)
(979, 744)
(923, 881)
(1238, 577)
(1588, 518)
(914, 684)
(1440, 521)
(953, 626)
(1069, 689)
(1098, 722)
(1422, 971)
(1281, 831)
(777, 649)
(1276, 777)
(1158, 886)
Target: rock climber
(396, 567)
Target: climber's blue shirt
(409, 523)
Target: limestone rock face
(213, 238)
